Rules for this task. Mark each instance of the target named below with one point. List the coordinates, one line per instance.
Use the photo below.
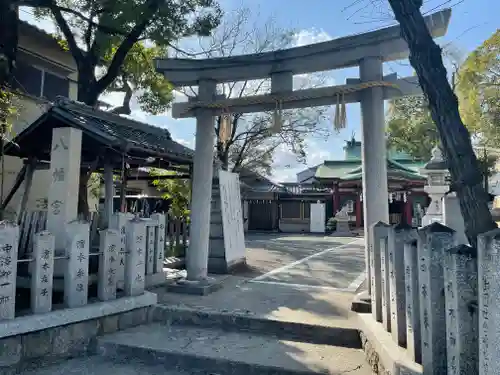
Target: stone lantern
(436, 172)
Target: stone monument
(227, 239)
(342, 229)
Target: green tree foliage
(177, 191)
(114, 42)
(410, 127)
(479, 90)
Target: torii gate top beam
(339, 53)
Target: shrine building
(336, 183)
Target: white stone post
(398, 236)
(109, 246)
(374, 155)
(9, 242)
(460, 278)
(43, 272)
(63, 190)
(150, 249)
(489, 311)
(135, 261)
(160, 241)
(197, 254)
(119, 222)
(384, 280)
(432, 240)
(379, 235)
(76, 277)
(413, 328)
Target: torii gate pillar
(373, 154)
(197, 254)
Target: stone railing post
(135, 260)
(383, 241)
(489, 290)
(379, 236)
(432, 240)
(460, 280)
(150, 248)
(110, 241)
(413, 330)
(43, 272)
(160, 241)
(119, 222)
(76, 275)
(9, 242)
(398, 236)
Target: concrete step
(218, 352)
(97, 365)
(244, 322)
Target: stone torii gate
(368, 51)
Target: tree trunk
(426, 59)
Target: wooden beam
(167, 177)
(19, 180)
(317, 97)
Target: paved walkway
(307, 279)
(300, 279)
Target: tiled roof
(109, 129)
(121, 129)
(349, 170)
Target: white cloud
(310, 36)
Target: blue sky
(472, 22)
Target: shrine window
(295, 210)
(291, 210)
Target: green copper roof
(349, 170)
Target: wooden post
(108, 193)
(123, 187)
(30, 171)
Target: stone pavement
(284, 286)
(287, 313)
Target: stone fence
(127, 254)
(434, 297)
